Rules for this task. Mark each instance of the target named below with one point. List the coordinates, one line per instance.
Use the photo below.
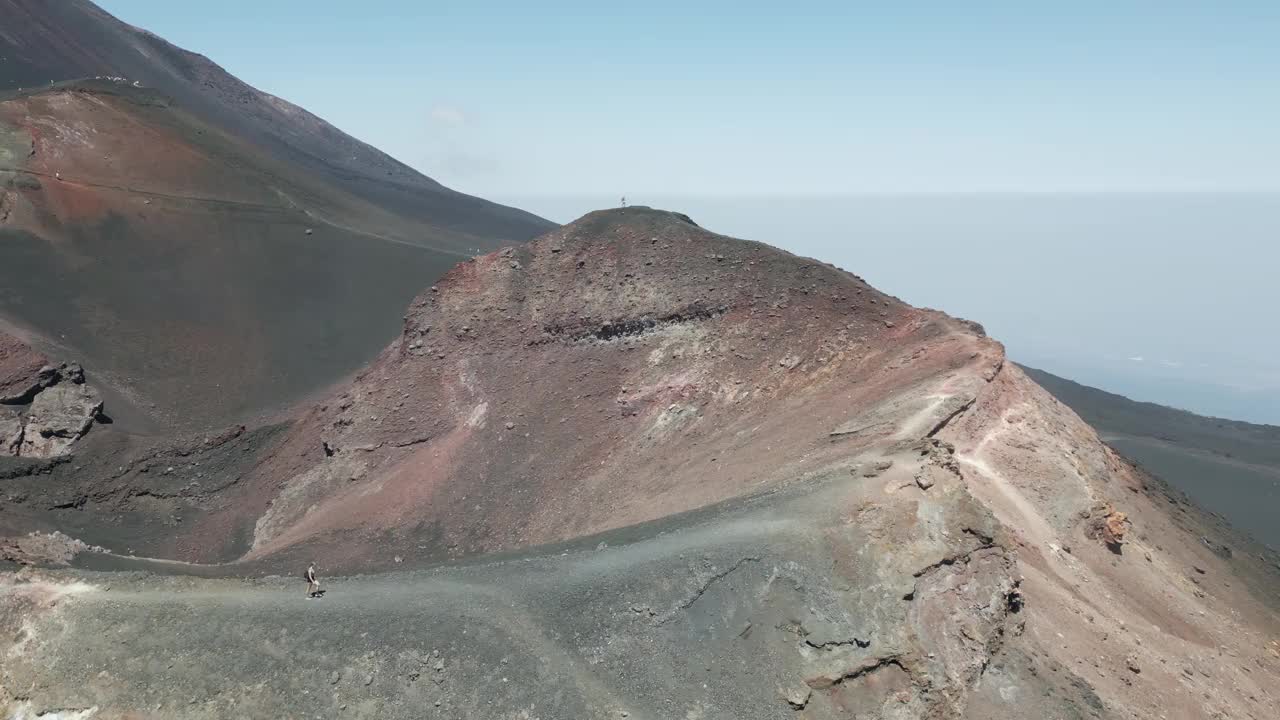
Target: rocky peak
(625, 367)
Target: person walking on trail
(313, 583)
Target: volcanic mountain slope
(211, 252)
(45, 42)
(771, 492)
(199, 277)
(1227, 466)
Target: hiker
(313, 584)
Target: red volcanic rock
(23, 371)
(1109, 526)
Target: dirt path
(1004, 499)
(145, 193)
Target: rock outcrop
(59, 416)
(1109, 526)
(10, 431)
(44, 409)
(23, 371)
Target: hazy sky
(765, 119)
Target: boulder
(1114, 528)
(58, 417)
(1108, 525)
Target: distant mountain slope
(210, 252)
(207, 281)
(44, 42)
(1230, 467)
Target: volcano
(635, 468)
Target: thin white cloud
(1137, 358)
(448, 116)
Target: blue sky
(716, 97)
(1097, 182)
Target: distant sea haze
(1166, 298)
